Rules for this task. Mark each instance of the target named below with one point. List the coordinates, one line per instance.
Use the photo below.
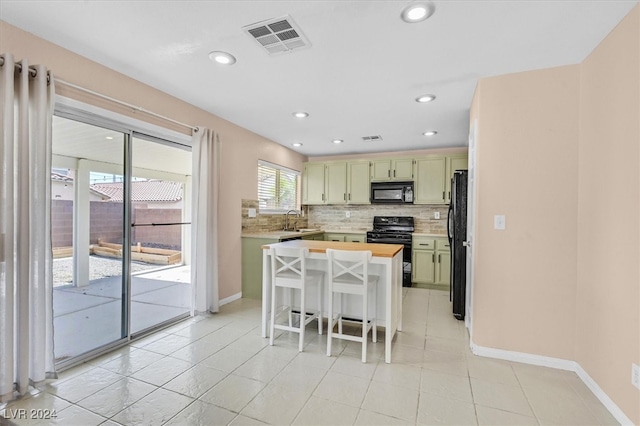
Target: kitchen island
(386, 262)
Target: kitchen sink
(307, 230)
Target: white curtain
(26, 282)
(204, 220)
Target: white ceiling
(360, 76)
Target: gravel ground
(99, 267)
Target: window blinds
(277, 187)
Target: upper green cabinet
(430, 180)
(313, 183)
(358, 182)
(454, 162)
(336, 183)
(433, 177)
(348, 182)
(385, 169)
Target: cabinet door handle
(394, 173)
(439, 258)
(443, 194)
(449, 197)
(349, 196)
(423, 244)
(345, 196)
(433, 258)
(322, 197)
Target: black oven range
(395, 230)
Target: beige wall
(241, 148)
(608, 293)
(558, 153)
(527, 170)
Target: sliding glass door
(160, 227)
(120, 227)
(88, 224)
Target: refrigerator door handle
(449, 220)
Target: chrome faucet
(287, 223)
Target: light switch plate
(499, 222)
(252, 213)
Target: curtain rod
(32, 71)
(133, 107)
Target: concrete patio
(88, 317)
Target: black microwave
(391, 192)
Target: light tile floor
(217, 370)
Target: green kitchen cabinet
(347, 183)
(423, 252)
(315, 237)
(392, 169)
(313, 183)
(355, 238)
(430, 180)
(454, 162)
(346, 237)
(252, 266)
(430, 262)
(443, 262)
(358, 186)
(335, 183)
(402, 169)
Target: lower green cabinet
(252, 266)
(430, 262)
(315, 237)
(333, 237)
(350, 238)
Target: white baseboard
(230, 299)
(561, 364)
(602, 396)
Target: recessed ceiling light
(425, 98)
(337, 141)
(430, 133)
(300, 114)
(222, 58)
(297, 144)
(109, 138)
(417, 12)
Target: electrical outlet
(436, 215)
(635, 375)
(499, 222)
(348, 214)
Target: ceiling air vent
(371, 138)
(278, 35)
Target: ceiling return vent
(278, 35)
(372, 138)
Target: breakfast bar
(386, 263)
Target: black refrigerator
(457, 231)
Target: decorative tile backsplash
(266, 222)
(334, 218)
(361, 217)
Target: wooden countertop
(378, 250)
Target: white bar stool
(349, 274)
(289, 270)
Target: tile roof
(149, 190)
